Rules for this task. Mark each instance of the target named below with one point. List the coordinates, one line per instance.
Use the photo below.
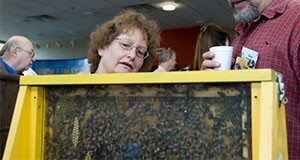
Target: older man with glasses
(17, 55)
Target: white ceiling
(73, 21)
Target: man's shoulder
(295, 2)
(3, 68)
(293, 7)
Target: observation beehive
(173, 115)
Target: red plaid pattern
(275, 35)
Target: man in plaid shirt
(272, 29)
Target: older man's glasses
(127, 45)
(29, 52)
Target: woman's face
(120, 56)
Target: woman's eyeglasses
(127, 45)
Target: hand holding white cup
(223, 55)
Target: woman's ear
(100, 52)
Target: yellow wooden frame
(144, 78)
(269, 137)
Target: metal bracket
(281, 91)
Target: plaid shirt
(275, 35)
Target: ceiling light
(169, 6)
(88, 13)
(48, 45)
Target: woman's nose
(132, 52)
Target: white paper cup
(223, 54)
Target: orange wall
(183, 41)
